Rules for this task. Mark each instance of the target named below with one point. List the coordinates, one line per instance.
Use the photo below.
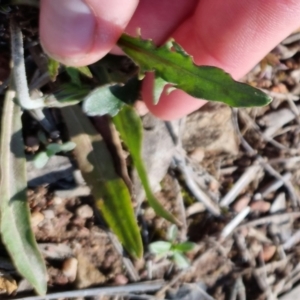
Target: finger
(79, 32)
(157, 19)
(233, 35)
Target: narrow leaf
(53, 67)
(160, 247)
(159, 85)
(40, 160)
(70, 92)
(176, 67)
(129, 126)
(172, 233)
(184, 247)
(180, 260)
(15, 228)
(109, 190)
(74, 75)
(85, 71)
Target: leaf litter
(258, 259)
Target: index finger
(233, 35)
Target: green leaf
(159, 85)
(40, 160)
(129, 125)
(184, 247)
(53, 67)
(70, 92)
(109, 190)
(176, 67)
(109, 99)
(54, 148)
(172, 233)
(85, 71)
(16, 232)
(74, 75)
(42, 137)
(160, 248)
(68, 146)
(180, 260)
(102, 101)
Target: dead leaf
(7, 284)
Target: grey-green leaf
(160, 247)
(172, 233)
(109, 99)
(67, 146)
(102, 101)
(177, 68)
(111, 194)
(40, 160)
(16, 232)
(129, 125)
(54, 148)
(180, 260)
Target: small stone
(84, 211)
(195, 208)
(268, 252)
(36, 218)
(120, 279)
(69, 268)
(260, 206)
(241, 203)
(57, 200)
(197, 155)
(32, 144)
(49, 214)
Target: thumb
(80, 32)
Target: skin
(233, 35)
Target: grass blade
(129, 126)
(15, 229)
(109, 190)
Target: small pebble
(69, 268)
(260, 206)
(57, 200)
(36, 218)
(120, 279)
(32, 143)
(49, 214)
(84, 211)
(241, 203)
(197, 155)
(268, 252)
(195, 208)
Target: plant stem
(19, 74)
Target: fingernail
(67, 29)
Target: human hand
(233, 35)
